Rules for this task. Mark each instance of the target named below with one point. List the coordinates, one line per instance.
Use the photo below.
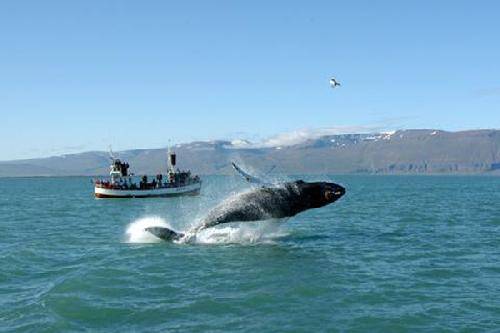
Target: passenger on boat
(144, 182)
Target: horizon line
(263, 144)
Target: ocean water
(395, 254)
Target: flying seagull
(334, 82)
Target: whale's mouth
(339, 192)
(334, 192)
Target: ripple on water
(395, 254)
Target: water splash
(135, 231)
(265, 232)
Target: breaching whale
(284, 200)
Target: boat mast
(171, 160)
(114, 172)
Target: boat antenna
(111, 155)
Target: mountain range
(417, 151)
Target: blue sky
(80, 75)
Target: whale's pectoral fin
(165, 233)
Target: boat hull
(193, 189)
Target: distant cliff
(401, 152)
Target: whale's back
(255, 205)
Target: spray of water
(264, 232)
(136, 232)
(241, 233)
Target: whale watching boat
(122, 184)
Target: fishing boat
(122, 184)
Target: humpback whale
(284, 200)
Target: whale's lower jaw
(165, 233)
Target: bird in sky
(334, 83)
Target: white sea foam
(241, 233)
(237, 233)
(135, 231)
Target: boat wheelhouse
(122, 184)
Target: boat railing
(145, 186)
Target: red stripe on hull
(107, 196)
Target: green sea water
(395, 254)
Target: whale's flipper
(249, 178)
(165, 233)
